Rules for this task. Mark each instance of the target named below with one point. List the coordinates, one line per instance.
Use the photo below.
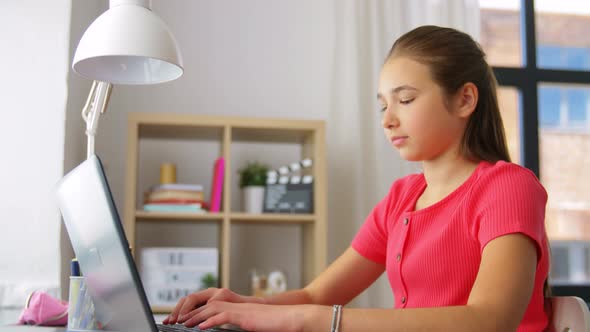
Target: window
(564, 108)
(549, 106)
(509, 103)
(500, 29)
(561, 32)
(563, 57)
(577, 107)
(546, 65)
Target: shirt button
(398, 257)
(406, 221)
(403, 299)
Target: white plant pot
(252, 199)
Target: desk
(24, 328)
(9, 317)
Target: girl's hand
(197, 299)
(251, 317)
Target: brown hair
(454, 59)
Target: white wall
(83, 13)
(33, 90)
(260, 58)
(267, 58)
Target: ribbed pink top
(432, 255)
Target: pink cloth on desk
(432, 255)
(43, 309)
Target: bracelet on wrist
(336, 318)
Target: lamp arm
(96, 104)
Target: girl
(463, 244)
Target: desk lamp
(127, 44)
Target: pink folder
(217, 185)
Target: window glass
(500, 35)
(549, 101)
(564, 157)
(577, 101)
(562, 34)
(509, 103)
(564, 107)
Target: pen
(75, 268)
(75, 288)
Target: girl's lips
(398, 140)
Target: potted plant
(209, 280)
(253, 182)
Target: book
(173, 208)
(173, 194)
(177, 186)
(217, 185)
(175, 201)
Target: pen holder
(81, 308)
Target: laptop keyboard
(182, 328)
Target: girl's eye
(382, 109)
(406, 101)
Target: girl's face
(415, 118)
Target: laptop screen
(101, 247)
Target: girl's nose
(389, 119)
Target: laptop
(98, 239)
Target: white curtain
(362, 163)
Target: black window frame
(526, 79)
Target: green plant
(254, 174)
(208, 280)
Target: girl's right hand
(197, 299)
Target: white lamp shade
(128, 44)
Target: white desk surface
(22, 328)
(9, 317)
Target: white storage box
(171, 273)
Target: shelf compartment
(279, 248)
(257, 135)
(161, 309)
(177, 216)
(181, 132)
(193, 142)
(272, 218)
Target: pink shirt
(432, 255)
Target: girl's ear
(466, 99)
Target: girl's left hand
(251, 317)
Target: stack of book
(175, 197)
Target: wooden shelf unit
(308, 134)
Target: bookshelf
(225, 136)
